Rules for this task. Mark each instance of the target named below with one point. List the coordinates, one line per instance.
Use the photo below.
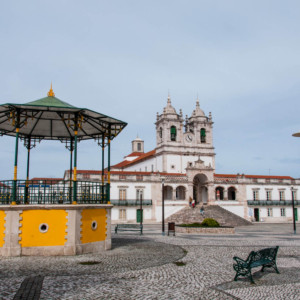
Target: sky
(122, 58)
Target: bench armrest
(239, 261)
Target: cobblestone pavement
(144, 267)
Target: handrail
(131, 202)
(52, 192)
(272, 202)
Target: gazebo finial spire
(51, 93)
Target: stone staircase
(223, 216)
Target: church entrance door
(200, 189)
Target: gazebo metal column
(70, 147)
(102, 175)
(27, 144)
(14, 191)
(108, 167)
(75, 165)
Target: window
(122, 194)
(139, 194)
(86, 176)
(139, 177)
(173, 133)
(203, 135)
(160, 132)
(122, 177)
(294, 195)
(255, 195)
(282, 212)
(122, 214)
(270, 212)
(139, 146)
(219, 193)
(269, 195)
(281, 195)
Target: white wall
(236, 209)
(274, 188)
(143, 166)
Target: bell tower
(179, 145)
(199, 134)
(169, 127)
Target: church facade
(183, 163)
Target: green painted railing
(131, 202)
(52, 192)
(272, 203)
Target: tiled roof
(126, 163)
(252, 176)
(145, 173)
(44, 178)
(135, 154)
(93, 172)
(4, 185)
(90, 172)
(48, 180)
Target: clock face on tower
(189, 138)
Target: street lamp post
(293, 208)
(163, 206)
(141, 210)
(297, 134)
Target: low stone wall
(206, 230)
(54, 229)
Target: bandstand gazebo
(55, 217)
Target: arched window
(231, 193)
(139, 146)
(203, 135)
(180, 193)
(168, 193)
(173, 133)
(219, 193)
(160, 132)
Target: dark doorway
(139, 215)
(256, 214)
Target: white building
(184, 159)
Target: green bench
(265, 258)
(129, 227)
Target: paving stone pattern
(143, 267)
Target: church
(183, 164)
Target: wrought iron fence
(131, 202)
(272, 202)
(52, 192)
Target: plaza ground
(144, 267)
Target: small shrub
(89, 263)
(179, 263)
(191, 225)
(209, 222)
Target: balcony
(131, 202)
(272, 203)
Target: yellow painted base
(54, 229)
(43, 228)
(93, 225)
(2, 228)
